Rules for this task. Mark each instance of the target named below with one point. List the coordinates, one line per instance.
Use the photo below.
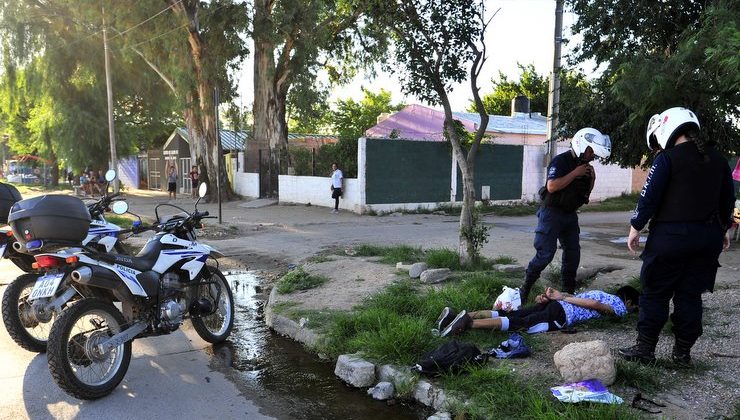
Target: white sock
(504, 323)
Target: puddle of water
(285, 379)
(623, 240)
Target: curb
(287, 327)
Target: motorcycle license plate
(46, 286)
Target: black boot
(526, 288)
(682, 353)
(643, 351)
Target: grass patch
(123, 221)
(624, 202)
(504, 259)
(443, 258)
(524, 209)
(319, 258)
(390, 254)
(298, 279)
(498, 390)
(638, 375)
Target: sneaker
(462, 322)
(334, 211)
(445, 318)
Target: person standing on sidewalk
(570, 179)
(172, 183)
(194, 181)
(688, 199)
(337, 179)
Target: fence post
(313, 161)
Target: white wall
(316, 190)
(611, 180)
(247, 184)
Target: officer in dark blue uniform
(688, 199)
(570, 179)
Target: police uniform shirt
(561, 165)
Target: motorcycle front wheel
(216, 326)
(75, 360)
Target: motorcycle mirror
(110, 175)
(119, 207)
(202, 190)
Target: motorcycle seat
(143, 261)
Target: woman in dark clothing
(688, 199)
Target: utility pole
(553, 99)
(220, 153)
(109, 89)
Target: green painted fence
(403, 171)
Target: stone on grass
(508, 268)
(435, 275)
(382, 391)
(430, 395)
(402, 266)
(355, 371)
(416, 269)
(395, 375)
(586, 360)
(440, 415)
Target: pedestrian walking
(688, 199)
(337, 180)
(172, 183)
(570, 179)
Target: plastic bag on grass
(591, 390)
(509, 300)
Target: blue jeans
(555, 225)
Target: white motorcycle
(89, 346)
(28, 310)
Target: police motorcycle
(168, 282)
(29, 308)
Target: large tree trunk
(200, 115)
(271, 83)
(54, 170)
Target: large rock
(586, 360)
(508, 268)
(430, 395)
(355, 371)
(416, 270)
(396, 375)
(382, 391)
(440, 415)
(435, 275)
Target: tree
(435, 42)
(293, 39)
(677, 53)
(351, 118)
(530, 84)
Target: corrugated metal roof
(230, 140)
(518, 124)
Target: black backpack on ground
(450, 357)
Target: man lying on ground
(554, 311)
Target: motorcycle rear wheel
(21, 324)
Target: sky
(521, 32)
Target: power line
(146, 20)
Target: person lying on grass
(553, 311)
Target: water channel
(284, 379)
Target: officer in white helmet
(688, 199)
(570, 179)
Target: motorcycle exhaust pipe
(82, 275)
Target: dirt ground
(269, 239)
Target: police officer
(688, 198)
(570, 179)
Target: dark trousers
(544, 317)
(555, 225)
(679, 263)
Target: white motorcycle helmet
(663, 128)
(599, 143)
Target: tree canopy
(656, 56)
